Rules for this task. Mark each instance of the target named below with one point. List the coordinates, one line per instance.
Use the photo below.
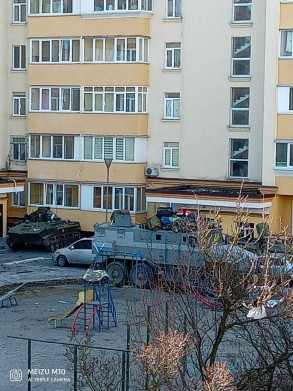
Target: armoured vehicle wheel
(141, 275)
(117, 273)
(62, 261)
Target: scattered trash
(61, 301)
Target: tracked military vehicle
(43, 228)
(131, 252)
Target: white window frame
(60, 99)
(172, 52)
(289, 146)
(52, 42)
(123, 204)
(20, 143)
(19, 11)
(128, 100)
(286, 43)
(22, 58)
(128, 142)
(61, 10)
(55, 186)
(172, 105)
(51, 137)
(172, 148)
(173, 9)
(19, 104)
(231, 159)
(18, 199)
(240, 59)
(237, 5)
(235, 108)
(123, 6)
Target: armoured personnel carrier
(43, 228)
(129, 252)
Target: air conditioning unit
(151, 171)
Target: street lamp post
(108, 163)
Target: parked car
(79, 252)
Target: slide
(67, 314)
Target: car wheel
(62, 261)
(117, 273)
(141, 275)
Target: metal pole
(75, 369)
(29, 364)
(108, 165)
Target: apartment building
(140, 104)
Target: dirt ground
(29, 320)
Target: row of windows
(95, 197)
(96, 99)
(241, 8)
(120, 149)
(99, 50)
(120, 100)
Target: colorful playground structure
(94, 308)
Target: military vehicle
(43, 228)
(130, 252)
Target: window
(18, 199)
(239, 158)
(130, 198)
(122, 5)
(18, 149)
(19, 58)
(173, 55)
(52, 147)
(172, 105)
(241, 49)
(19, 11)
(242, 10)
(54, 194)
(286, 49)
(50, 6)
(19, 104)
(55, 50)
(55, 99)
(118, 149)
(115, 99)
(284, 155)
(240, 106)
(173, 8)
(120, 49)
(171, 155)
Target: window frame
(240, 59)
(242, 160)
(288, 42)
(56, 188)
(172, 51)
(237, 6)
(289, 148)
(19, 142)
(18, 199)
(52, 149)
(45, 99)
(93, 140)
(18, 10)
(171, 149)
(101, 6)
(124, 198)
(51, 42)
(234, 109)
(39, 3)
(173, 100)
(175, 11)
(21, 58)
(18, 104)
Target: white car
(79, 252)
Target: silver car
(78, 252)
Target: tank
(131, 252)
(43, 228)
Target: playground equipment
(10, 297)
(97, 310)
(94, 308)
